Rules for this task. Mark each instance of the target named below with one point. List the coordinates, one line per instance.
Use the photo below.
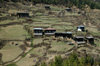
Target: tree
(58, 61)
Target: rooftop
(38, 28)
(50, 29)
(64, 32)
(81, 26)
(69, 33)
(47, 6)
(22, 12)
(79, 37)
(68, 8)
(58, 32)
(82, 42)
(89, 37)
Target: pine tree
(58, 61)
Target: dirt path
(15, 23)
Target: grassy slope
(15, 32)
(10, 52)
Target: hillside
(69, 3)
(28, 33)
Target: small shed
(63, 34)
(69, 34)
(90, 39)
(22, 14)
(68, 9)
(49, 31)
(81, 28)
(58, 34)
(80, 40)
(47, 7)
(38, 31)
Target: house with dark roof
(47, 7)
(69, 34)
(58, 34)
(68, 9)
(38, 31)
(80, 40)
(22, 14)
(90, 39)
(63, 34)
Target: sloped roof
(81, 26)
(50, 29)
(69, 33)
(79, 37)
(89, 37)
(38, 28)
(22, 12)
(68, 8)
(64, 32)
(82, 42)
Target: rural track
(14, 23)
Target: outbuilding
(81, 28)
(68, 9)
(22, 14)
(63, 34)
(49, 31)
(90, 39)
(80, 40)
(58, 34)
(47, 7)
(38, 31)
(69, 34)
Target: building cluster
(52, 32)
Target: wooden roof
(50, 29)
(79, 37)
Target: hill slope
(79, 3)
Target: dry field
(10, 51)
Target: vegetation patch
(10, 51)
(15, 32)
